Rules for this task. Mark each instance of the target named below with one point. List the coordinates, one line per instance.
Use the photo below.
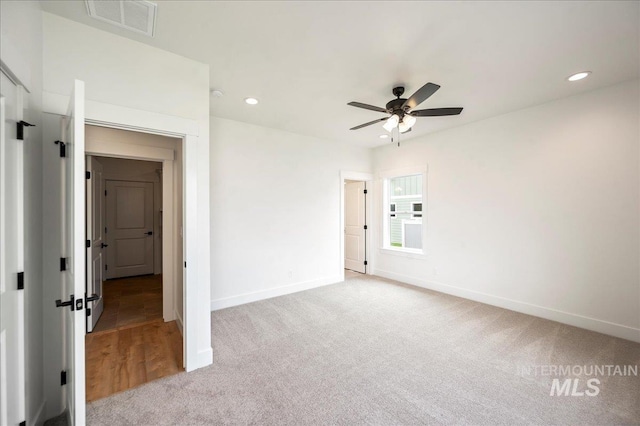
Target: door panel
(354, 222)
(12, 346)
(95, 233)
(73, 249)
(129, 207)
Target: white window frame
(385, 244)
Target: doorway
(355, 215)
(134, 207)
(124, 218)
(355, 226)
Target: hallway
(131, 344)
(129, 301)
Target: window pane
(405, 211)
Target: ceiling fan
(403, 116)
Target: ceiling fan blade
(366, 106)
(420, 96)
(369, 123)
(436, 112)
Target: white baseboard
(179, 322)
(255, 296)
(37, 418)
(600, 326)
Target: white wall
(536, 210)
(275, 207)
(129, 74)
(140, 171)
(21, 34)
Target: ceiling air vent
(134, 15)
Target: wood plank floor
(132, 355)
(130, 301)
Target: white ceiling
(305, 60)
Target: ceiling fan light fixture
(251, 101)
(405, 109)
(391, 123)
(407, 123)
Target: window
(403, 227)
(416, 208)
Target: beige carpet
(371, 351)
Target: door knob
(149, 233)
(92, 298)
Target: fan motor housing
(395, 105)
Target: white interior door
(73, 249)
(354, 226)
(12, 368)
(129, 228)
(95, 234)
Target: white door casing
(354, 223)
(73, 249)
(95, 234)
(12, 319)
(129, 207)
(196, 220)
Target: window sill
(409, 253)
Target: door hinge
(63, 148)
(105, 192)
(87, 174)
(106, 267)
(63, 378)
(63, 263)
(185, 264)
(365, 227)
(105, 230)
(365, 263)
(20, 129)
(20, 280)
(365, 191)
(88, 312)
(88, 243)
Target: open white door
(354, 226)
(95, 234)
(12, 353)
(73, 250)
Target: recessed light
(579, 76)
(384, 136)
(251, 101)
